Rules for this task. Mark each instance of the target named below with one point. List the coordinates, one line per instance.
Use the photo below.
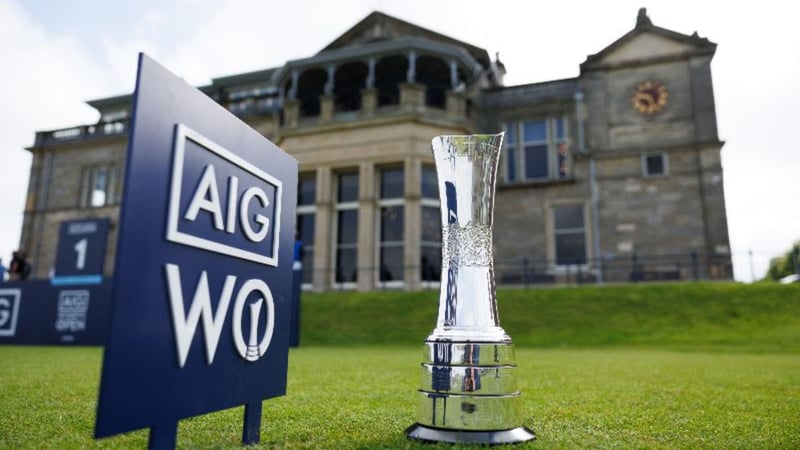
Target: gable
(381, 27)
(648, 43)
(646, 46)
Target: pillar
(366, 227)
(413, 219)
(323, 220)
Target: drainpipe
(593, 189)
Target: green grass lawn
(657, 366)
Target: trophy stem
(468, 393)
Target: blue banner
(34, 312)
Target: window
(347, 228)
(654, 164)
(306, 198)
(99, 186)
(391, 212)
(569, 231)
(537, 150)
(431, 236)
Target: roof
(644, 25)
(378, 26)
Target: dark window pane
(510, 136)
(431, 264)
(392, 183)
(391, 268)
(536, 161)
(431, 225)
(308, 265)
(347, 232)
(430, 187)
(511, 164)
(560, 129)
(348, 187)
(307, 191)
(534, 131)
(655, 164)
(392, 223)
(568, 217)
(346, 265)
(570, 248)
(305, 228)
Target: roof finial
(642, 20)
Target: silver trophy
(468, 393)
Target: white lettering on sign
(250, 205)
(9, 309)
(82, 228)
(185, 324)
(206, 198)
(72, 309)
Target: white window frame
(88, 180)
(551, 235)
(309, 210)
(427, 202)
(338, 208)
(379, 243)
(551, 141)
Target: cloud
(48, 80)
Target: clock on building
(649, 97)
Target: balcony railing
(81, 133)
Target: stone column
(293, 86)
(413, 219)
(322, 238)
(329, 85)
(411, 75)
(370, 74)
(366, 227)
(453, 74)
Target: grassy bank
(699, 316)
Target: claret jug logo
(222, 203)
(185, 324)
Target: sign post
(202, 282)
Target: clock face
(649, 97)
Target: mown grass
(652, 366)
(363, 397)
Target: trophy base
(490, 437)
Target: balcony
(81, 133)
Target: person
(2, 271)
(299, 252)
(19, 269)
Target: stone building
(613, 175)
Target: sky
(58, 54)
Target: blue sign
(81, 252)
(34, 312)
(202, 285)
